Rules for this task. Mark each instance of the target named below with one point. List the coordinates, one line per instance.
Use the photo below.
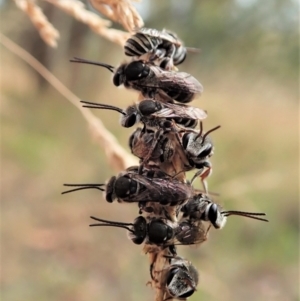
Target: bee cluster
(170, 142)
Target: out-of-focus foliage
(249, 68)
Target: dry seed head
(96, 23)
(121, 11)
(46, 30)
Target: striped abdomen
(140, 44)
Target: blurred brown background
(248, 65)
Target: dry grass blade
(100, 26)
(121, 11)
(46, 30)
(117, 157)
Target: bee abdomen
(179, 55)
(181, 96)
(140, 44)
(186, 122)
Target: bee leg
(203, 179)
(156, 139)
(159, 53)
(204, 171)
(167, 64)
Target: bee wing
(179, 81)
(174, 110)
(170, 81)
(167, 190)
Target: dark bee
(180, 279)
(201, 208)
(152, 113)
(150, 186)
(159, 45)
(152, 81)
(147, 143)
(159, 231)
(199, 148)
(155, 148)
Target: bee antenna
(245, 214)
(82, 186)
(111, 223)
(94, 105)
(84, 61)
(213, 129)
(193, 50)
(200, 132)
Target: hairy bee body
(162, 45)
(142, 141)
(160, 232)
(166, 85)
(152, 81)
(154, 114)
(151, 186)
(201, 208)
(180, 279)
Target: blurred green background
(248, 65)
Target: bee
(152, 81)
(158, 231)
(202, 208)
(150, 186)
(152, 113)
(198, 148)
(155, 145)
(157, 148)
(180, 279)
(162, 45)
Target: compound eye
(140, 230)
(110, 189)
(136, 239)
(213, 213)
(136, 70)
(117, 79)
(205, 153)
(130, 121)
(187, 294)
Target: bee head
(119, 76)
(214, 215)
(139, 230)
(136, 70)
(131, 118)
(110, 189)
